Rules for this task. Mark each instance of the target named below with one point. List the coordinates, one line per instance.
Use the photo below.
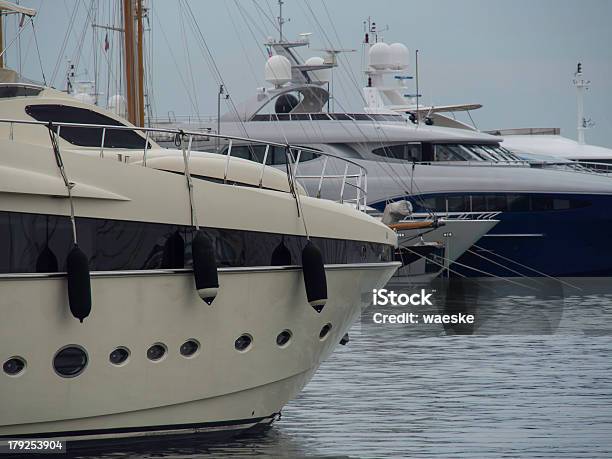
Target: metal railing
(354, 177)
(585, 167)
(479, 163)
(467, 215)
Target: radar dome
(278, 70)
(380, 56)
(399, 56)
(318, 76)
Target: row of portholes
(71, 361)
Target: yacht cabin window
(276, 155)
(86, 137)
(426, 152)
(18, 91)
(407, 151)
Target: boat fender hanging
(79, 283)
(174, 252)
(281, 256)
(47, 261)
(205, 267)
(314, 276)
(345, 339)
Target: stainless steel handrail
(360, 200)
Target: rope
(527, 267)
(69, 185)
(194, 218)
(293, 190)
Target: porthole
(14, 366)
(189, 348)
(325, 331)
(283, 338)
(119, 356)
(243, 342)
(156, 352)
(70, 361)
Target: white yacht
(441, 170)
(112, 249)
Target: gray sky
(516, 57)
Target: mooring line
(527, 267)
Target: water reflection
(498, 308)
(532, 377)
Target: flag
(106, 44)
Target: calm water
(532, 377)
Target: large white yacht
(106, 245)
(441, 170)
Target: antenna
(416, 75)
(582, 85)
(281, 19)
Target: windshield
(426, 152)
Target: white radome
(278, 70)
(380, 56)
(399, 56)
(318, 76)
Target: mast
(281, 20)
(1, 40)
(134, 68)
(581, 86)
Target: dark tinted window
(541, 203)
(86, 137)
(319, 116)
(18, 91)
(408, 151)
(276, 155)
(29, 241)
(361, 117)
(496, 203)
(518, 203)
(340, 117)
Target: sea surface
(531, 377)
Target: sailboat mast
(139, 46)
(134, 70)
(1, 40)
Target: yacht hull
(457, 235)
(218, 389)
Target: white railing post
(321, 178)
(102, 144)
(297, 161)
(229, 154)
(365, 191)
(146, 147)
(263, 166)
(343, 183)
(11, 131)
(358, 198)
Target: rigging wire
(188, 58)
(42, 70)
(64, 44)
(180, 74)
